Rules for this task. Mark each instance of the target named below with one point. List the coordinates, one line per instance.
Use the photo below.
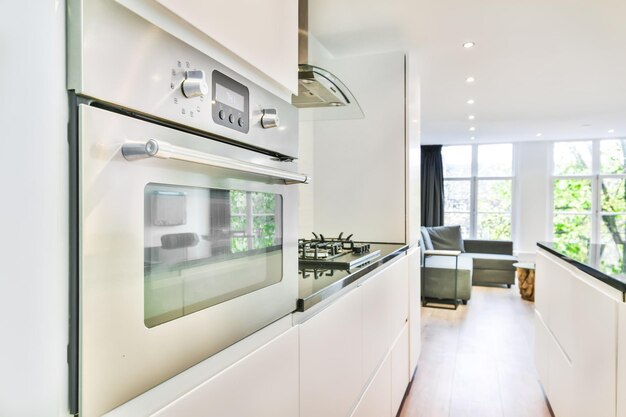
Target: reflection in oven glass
(204, 246)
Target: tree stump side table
(526, 279)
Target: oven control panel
(175, 82)
(230, 102)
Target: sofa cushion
(492, 261)
(448, 262)
(446, 237)
(428, 244)
(500, 247)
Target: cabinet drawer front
(331, 359)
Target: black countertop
(318, 283)
(600, 261)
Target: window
(589, 198)
(253, 224)
(478, 188)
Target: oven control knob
(270, 118)
(195, 84)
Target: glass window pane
(613, 235)
(573, 230)
(462, 219)
(494, 196)
(495, 160)
(493, 226)
(613, 229)
(613, 195)
(613, 156)
(457, 161)
(263, 203)
(571, 158)
(204, 246)
(457, 195)
(572, 195)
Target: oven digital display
(229, 97)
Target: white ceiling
(555, 67)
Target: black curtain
(432, 186)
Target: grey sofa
(481, 262)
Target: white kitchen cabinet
(561, 383)
(349, 345)
(621, 361)
(399, 369)
(542, 339)
(376, 401)
(399, 273)
(580, 337)
(262, 384)
(385, 312)
(265, 34)
(415, 340)
(377, 308)
(331, 358)
(248, 36)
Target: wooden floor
(478, 361)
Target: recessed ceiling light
(611, 130)
(472, 129)
(473, 137)
(470, 79)
(471, 117)
(538, 135)
(468, 45)
(471, 101)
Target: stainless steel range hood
(317, 87)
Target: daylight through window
(478, 187)
(589, 198)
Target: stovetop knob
(270, 118)
(195, 84)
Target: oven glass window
(204, 246)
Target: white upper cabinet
(263, 34)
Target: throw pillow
(428, 244)
(446, 237)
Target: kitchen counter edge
(306, 303)
(589, 270)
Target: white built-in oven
(185, 205)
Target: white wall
(359, 165)
(34, 210)
(413, 150)
(532, 198)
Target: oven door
(178, 258)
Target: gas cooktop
(339, 252)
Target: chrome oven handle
(133, 151)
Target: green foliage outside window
(261, 233)
(573, 202)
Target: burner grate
(336, 252)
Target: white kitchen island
(580, 332)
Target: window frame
(474, 179)
(595, 177)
